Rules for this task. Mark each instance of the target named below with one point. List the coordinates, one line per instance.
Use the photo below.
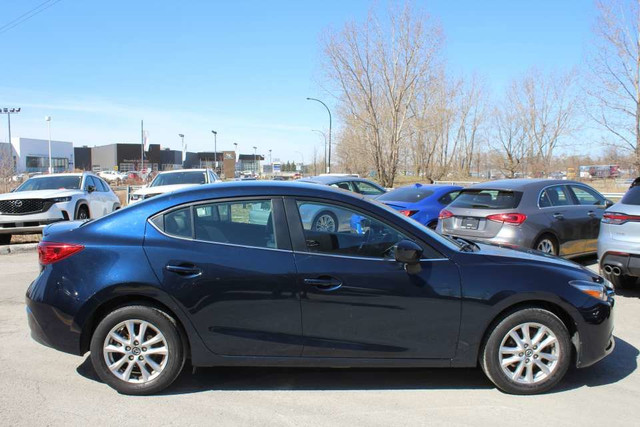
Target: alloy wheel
(135, 351)
(326, 223)
(529, 353)
(546, 246)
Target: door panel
(592, 205)
(242, 300)
(564, 218)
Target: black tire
(549, 238)
(490, 353)
(83, 212)
(116, 206)
(158, 320)
(5, 239)
(622, 281)
(316, 221)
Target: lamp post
(325, 145)
(255, 161)
(9, 112)
(215, 150)
(328, 111)
(182, 137)
(270, 162)
(48, 120)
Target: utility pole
(9, 112)
(215, 150)
(255, 161)
(182, 136)
(328, 111)
(48, 120)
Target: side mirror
(408, 252)
(608, 203)
(91, 188)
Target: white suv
(45, 199)
(168, 181)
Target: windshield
(407, 194)
(51, 183)
(174, 178)
(487, 199)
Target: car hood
(515, 253)
(161, 189)
(39, 194)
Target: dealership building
(32, 155)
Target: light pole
(48, 120)
(325, 145)
(182, 136)
(255, 161)
(215, 150)
(9, 112)
(328, 111)
(270, 162)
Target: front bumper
(35, 222)
(594, 339)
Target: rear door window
(487, 199)
(554, 196)
(367, 189)
(345, 185)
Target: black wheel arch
(79, 204)
(547, 232)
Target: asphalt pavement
(40, 386)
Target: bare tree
(509, 138)
(615, 72)
(378, 70)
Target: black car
(190, 275)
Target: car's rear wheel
(5, 239)
(83, 213)
(326, 222)
(527, 352)
(137, 350)
(546, 244)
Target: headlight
(596, 290)
(61, 199)
(135, 196)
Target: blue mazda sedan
(189, 275)
(421, 202)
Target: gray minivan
(554, 216)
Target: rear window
(632, 197)
(487, 199)
(406, 194)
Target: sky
(242, 68)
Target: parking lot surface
(41, 386)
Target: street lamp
(48, 120)
(255, 161)
(270, 162)
(328, 111)
(325, 145)
(215, 150)
(9, 112)
(182, 136)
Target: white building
(32, 155)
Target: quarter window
(178, 223)
(339, 231)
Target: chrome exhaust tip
(616, 271)
(607, 269)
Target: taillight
(444, 214)
(509, 218)
(617, 218)
(50, 252)
(407, 212)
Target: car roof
(61, 174)
(182, 170)
(520, 184)
(433, 187)
(332, 179)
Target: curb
(19, 248)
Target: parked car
(421, 202)
(348, 182)
(200, 280)
(619, 240)
(113, 177)
(558, 217)
(168, 181)
(45, 199)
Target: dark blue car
(190, 275)
(421, 202)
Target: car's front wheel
(137, 350)
(527, 352)
(325, 222)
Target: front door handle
(323, 284)
(592, 214)
(558, 215)
(184, 270)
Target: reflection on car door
(96, 205)
(357, 301)
(592, 206)
(564, 218)
(234, 277)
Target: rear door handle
(324, 284)
(592, 214)
(184, 270)
(558, 215)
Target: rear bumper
(629, 264)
